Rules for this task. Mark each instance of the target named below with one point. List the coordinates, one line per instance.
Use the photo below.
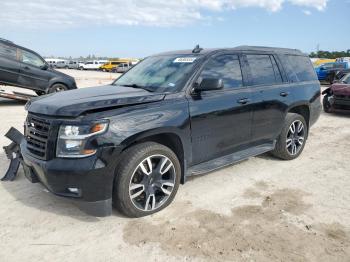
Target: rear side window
(8, 51)
(302, 67)
(225, 67)
(264, 70)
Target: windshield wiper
(149, 89)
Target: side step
(227, 160)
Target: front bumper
(88, 181)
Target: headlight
(72, 139)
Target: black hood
(75, 102)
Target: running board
(227, 160)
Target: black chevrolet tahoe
(174, 115)
(22, 67)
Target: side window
(262, 70)
(225, 67)
(8, 51)
(302, 67)
(31, 59)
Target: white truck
(92, 65)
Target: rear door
(270, 94)
(32, 74)
(9, 65)
(220, 119)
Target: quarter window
(262, 70)
(225, 67)
(302, 67)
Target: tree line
(330, 55)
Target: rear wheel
(147, 179)
(292, 139)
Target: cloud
(75, 13)
(307, 12)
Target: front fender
(70, 83)
(327, 91)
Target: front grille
(37, 136)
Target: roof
(207, 51)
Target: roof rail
(5, 40)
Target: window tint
(262, 70)
(32, 59)
(225, 67)
(302, 67)
(8, 51)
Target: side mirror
(45, 67)
(208, 84)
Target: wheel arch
(303, 110)
(169, 137)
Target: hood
(341, 89)
(75, 102)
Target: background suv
(24, 68)
(171, 116)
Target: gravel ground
(261, 209)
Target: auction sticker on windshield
(184, 60)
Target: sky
(138, 28)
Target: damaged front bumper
(89, 184)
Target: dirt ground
(261, 209)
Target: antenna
(197, 49)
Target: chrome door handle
(284, 94)
(243, 101)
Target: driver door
(32, 75)
(221, 119)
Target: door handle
(27, 68)
(243, 101)
(284, 94)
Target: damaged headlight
(72, 139)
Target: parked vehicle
(111, 65)
(62, 64)
(337, 97)
(74, 64)
(121, 68)
(52, 62)
(320, 61)
(172, 116)
(328, 71)
(22, 67)
(92, 65)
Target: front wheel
(291, 141)
(147, 179)
(326, 104)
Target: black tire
(282, 150)
(129, 171)
(55, 88)
(326, 105)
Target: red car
(337, 97)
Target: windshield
(346, 79)
(160, 73)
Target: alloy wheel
(295, 137)
(152, 182)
